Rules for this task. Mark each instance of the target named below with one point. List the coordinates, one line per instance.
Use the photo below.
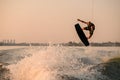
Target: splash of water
(48, 63)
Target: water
(56, 62)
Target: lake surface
(56, 62)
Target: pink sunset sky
(54, 20)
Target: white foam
(47, 63)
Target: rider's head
(89, 21)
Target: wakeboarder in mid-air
(90, 27)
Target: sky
(54, 20)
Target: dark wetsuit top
(89, 28)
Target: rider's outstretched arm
(82, 21)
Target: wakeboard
(81, 35)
